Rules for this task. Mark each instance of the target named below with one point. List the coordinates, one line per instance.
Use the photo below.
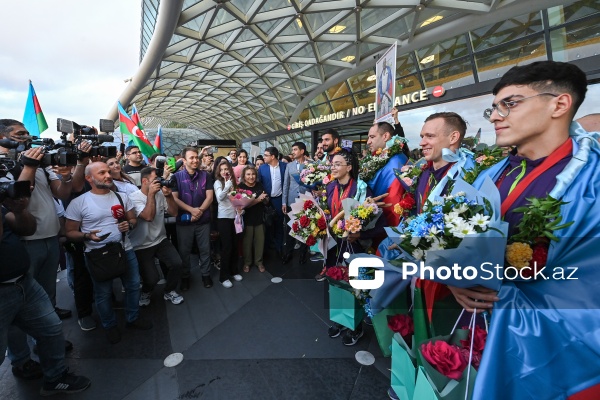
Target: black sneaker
(392, 395)
(140, 323)
(207, 280)
(335, 330)
(113, 335)
(29, 371)
(351, 337)
(68, 383)
(367, 320)
(62, 313)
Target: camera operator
(26, 305)
(149, 239)
(94, 212)
(42, 246)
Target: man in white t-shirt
(89, 217)
(149, 239)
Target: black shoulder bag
(109, 261)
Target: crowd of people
(118, 210)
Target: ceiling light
(299, 22)
(348, 58)
(372, 90)
(371, 78)
(431, 20)
(337, 29)
(427, 59)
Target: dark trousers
(229, 248)
(83, 288)
(167, 254)
(276, 231)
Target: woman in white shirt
(123, 183)
(223, 185)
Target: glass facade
(257, 73)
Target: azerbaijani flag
(128, 126)
(34, 119)
(158, 140)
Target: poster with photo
(385, 93)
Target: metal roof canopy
(243, 68)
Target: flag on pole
(34, 119)
(158, 140)
(128, 126)
(477, 137)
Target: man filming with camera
(101, 218)
(25, 304)
(149, 239)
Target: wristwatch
(131, 226)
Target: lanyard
(563, 151)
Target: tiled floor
(258, 340)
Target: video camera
(14, 190)
(160, 170)
(84, 132)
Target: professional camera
(14, 190)
(62, 154)
(84, 132)
(160, 170)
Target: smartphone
(171, 162)
(102, 237)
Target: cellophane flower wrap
(240, 199)
(308, 223)
(314, 174)
(360, 217)
(462, 228)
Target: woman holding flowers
(345, 184)
(254, 228)
(225, 183)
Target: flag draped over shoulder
(385, 181)
(158, 140)
(134, 130)
(34, 119)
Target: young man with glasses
(544, 328)
(135, 163)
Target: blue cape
(544, 337)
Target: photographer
(42, 246)
(149, 239)
(101, 210)
(27, 306)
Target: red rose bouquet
(309, 223)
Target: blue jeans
(44, 255)
(103, 294)
(25, 305)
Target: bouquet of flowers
(462, 228)
(309, 224)
(528, 248)
(487, 158)
(240, 199)
(450, 363)
(358, 217)
(314, 174)
(409, 174)
(373, 162)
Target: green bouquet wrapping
(380, 323)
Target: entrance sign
(385, 71)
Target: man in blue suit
(271, 175)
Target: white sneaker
(227, 284)
(237, 277)
(145, 299)
(161, 282)
(173, 297)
